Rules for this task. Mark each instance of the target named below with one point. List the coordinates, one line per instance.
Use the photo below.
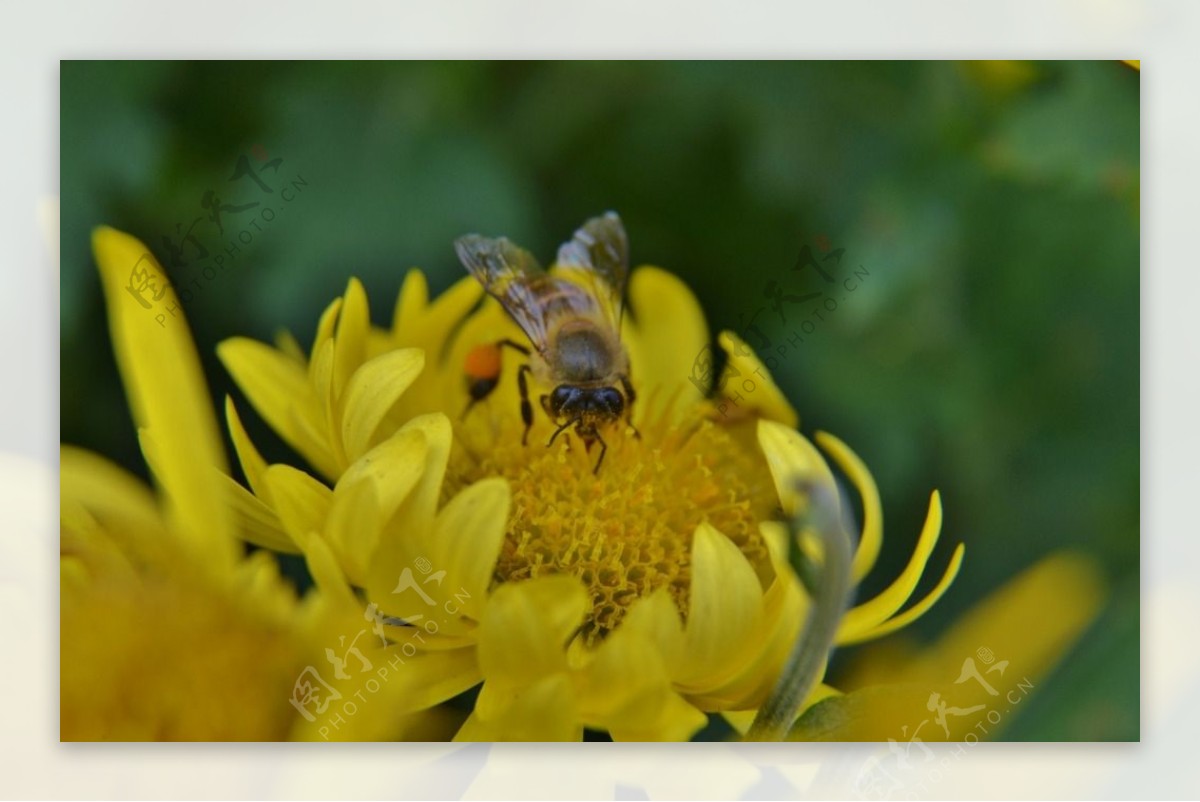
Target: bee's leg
(560, 429)
(479, 389)
(630, 397)
(516, 346)
(526, 407)
(603, 451)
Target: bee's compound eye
(483, 362)
(612, 400)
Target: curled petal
(871, 537)
(874, 612)
(920, 608)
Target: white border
(35, 36)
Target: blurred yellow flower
(634, 600)
(168, 630)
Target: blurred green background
(991, 351)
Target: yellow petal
(470, 532)
(877, 610)
(74, 581)
(724, 612)
(280, 392)
(410, 540)
(111, 495)
(168, 395)
(871, 538)
(410, 305)
(251, 461)
(418, 323)
(392, 468)
(422, 503)
(625, 687)
(88, 553)
(301, 502)
(256, 522)
(665, 716)
(352, 527)
(325, 327)
(288, 346)
(366, 498)
(785, 606)
(328, 419)
(792, 460)
(350, 342)
(372, 391)
(541, 711)
(667, 335)
(430, 678)
(526, 626)
(395, 685)
(917, 610)
(326, 574)
(656, 618)
(746, 376)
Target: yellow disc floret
(626, 530)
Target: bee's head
(570, 401)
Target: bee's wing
(513, 277)
(597, 258)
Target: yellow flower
(168, 630)
(634, 600)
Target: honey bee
(572, 319)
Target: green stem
(815, 639)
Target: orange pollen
(483, 362)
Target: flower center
(626, 530)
